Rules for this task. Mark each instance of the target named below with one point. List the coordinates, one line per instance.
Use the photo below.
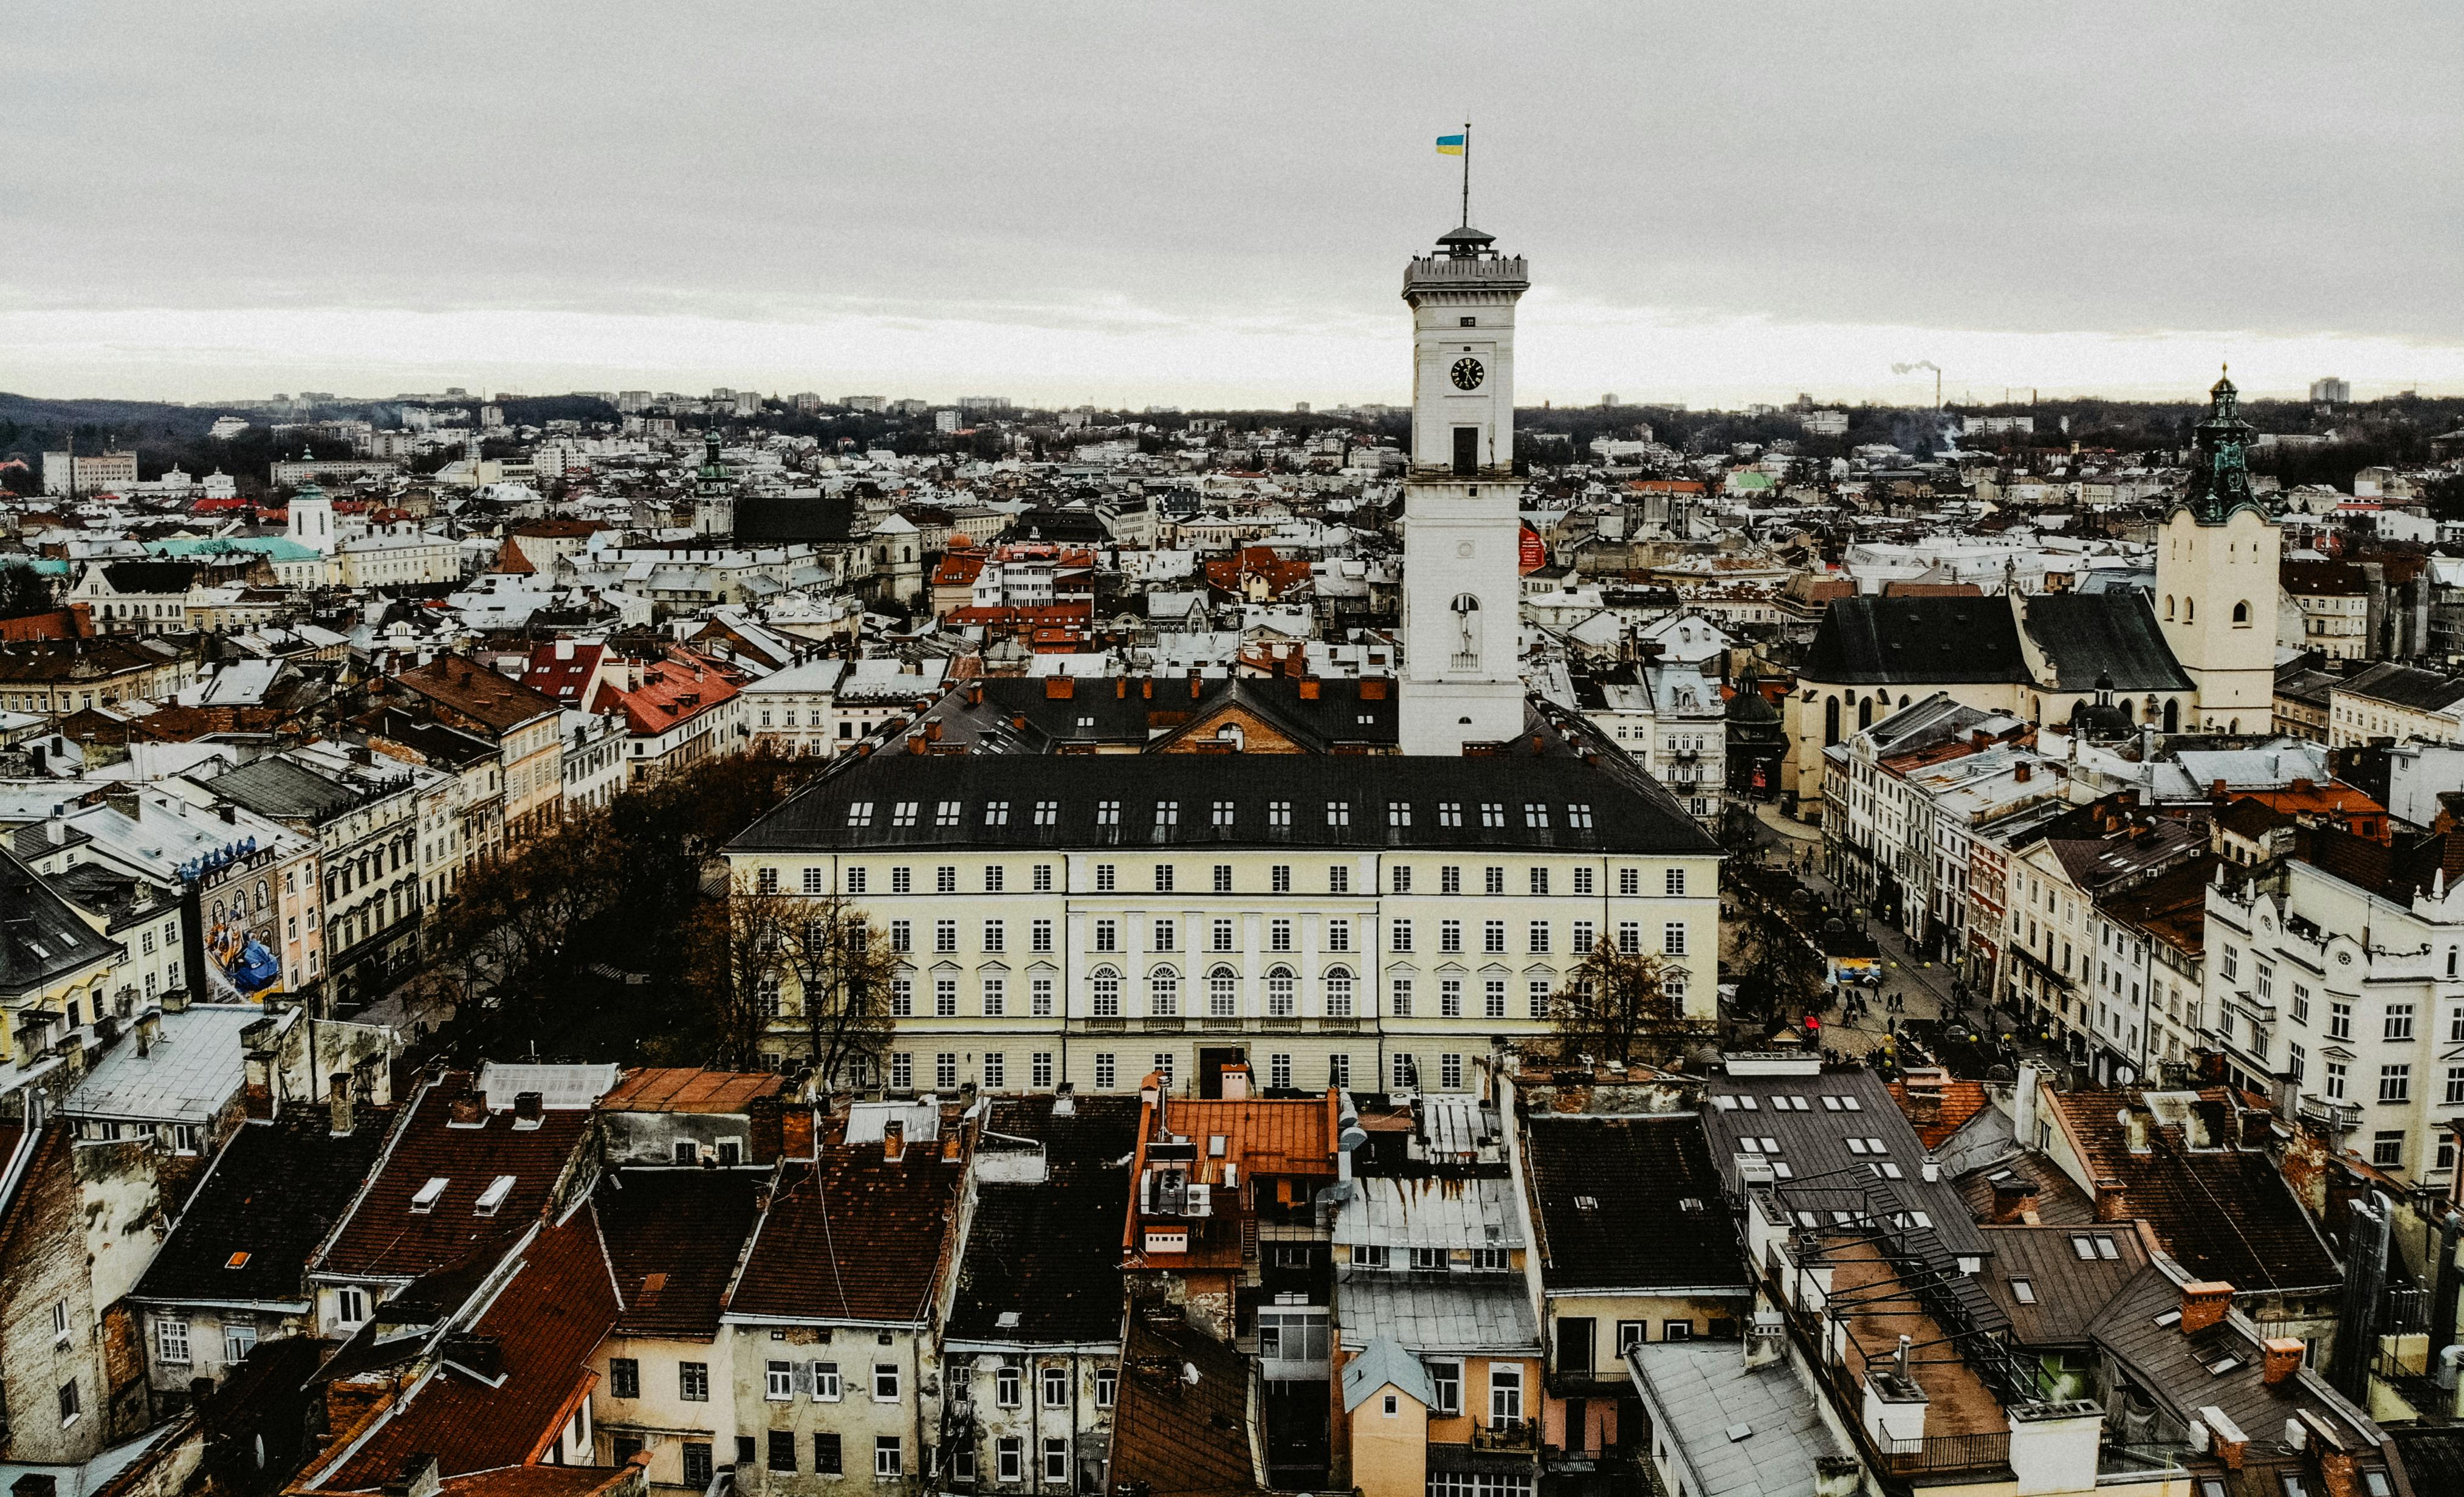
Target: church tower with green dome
(713, 491)
(2217, 583)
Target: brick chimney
(1060, 687)
(337, 1100)
(2112, 1201)
(2283, 1358)
(2204, 1303)
(1309, 688)
(893, 1140)
(470, 1110)
(2014, 1201)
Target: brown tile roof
(687, 1088)
(673, 1237)
(471, 689)
(1954, 1103)
(1263, 1135)
(546, 1323)
(383, 1237)
(853, 1237)
(2223, 1212)
(537, 1480)
(1175, 1438)
(2065, 1291)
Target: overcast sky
(1209, 204)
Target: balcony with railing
(1520, 1436)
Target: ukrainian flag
(1450, 144)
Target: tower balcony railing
(1484, 270)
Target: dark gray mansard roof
(1627, 811)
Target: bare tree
(1618, 1000)
(769, 962)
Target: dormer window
(494, 1196)
(425, 1197)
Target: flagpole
(1467, 185)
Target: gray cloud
(2275, 169)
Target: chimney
(2112, 1203)
(1836, 1476)
(1060, 687)
(1193, 686)
(2204, 1303)
(175, 1000)
(466, 1111)
(2019, 773)
(1236, 1083)
(1146, 688)
(2023, 1103)
(338, 1099)
(1924, 1105)
(1310, 686)
(1120, 687)
(933, 731)
(2283, 1358)
(2225, 1440)
(893, 1140)
(2014, 1199)
(418, 1479)
(149, 1032)
(529, 1109)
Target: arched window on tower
(1829, 722)
(2169, 607)
(2241, 613)
(2190, 610)
(1865, 712)
(1466, 611)
(2173, 714)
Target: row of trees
(596, 941)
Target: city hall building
(1369, 921)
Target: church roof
(2088, 636)
(1916, 641)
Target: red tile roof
(466, 689)
(687, 1088)
(673, 1237)
(674, 690)
(564, 676)
(546, 1323)
(383, 1237)
(854, 1237)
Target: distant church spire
(2220, 473)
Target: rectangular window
(1039, 1068)
(827, 1387)
(1538, 880)
(1108, 936)
(1107, 1071)
(692, 1381)
(855, 880)
(826, 1454)
(885, 1383)
(1040, 937)
(1040, 997)
(1445, 1379)
(782, 1451)
(995, 876)
(171, 1341)
(1056, 1461)
(1163, 876)
(1450, 880)
(1009, 1459)
(945, 997)
(1585, 938)
(996, 936)
(1450, 1073)
(1492, 936)
(1338, 933)
(2395, 1083)
(1449, 935)
(1338, 880)
(1279, 878)
(902, 880)
(1043, 878)
(1055, 1384)
(696, 1463)
(1450, 997)
(1494, 881)
(1006, 1379)
(1492, 1000)
(1223, 878)
(1630, 937)
(887, 1460)
(2399, 1021)
(2387, 1150)
(1582, 881)
(2335, 1080)
(1279, 1070)
(779, 1382)
(1629, 881)
(1398, 998)
(996, 1070)
(945, 880)
(1279, 935)
(816, 880)
(625, 1378)
(1672, 938)
(1105, 876)
(945, 1070)
(1398, 933)
(1675, 886)
(1404, 879)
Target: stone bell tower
(1463, 670)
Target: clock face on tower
(1468, 374)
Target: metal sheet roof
(1431, 1212)
(1433, 1312)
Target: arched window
(1280, 993)
(1338, 993)
(2241, 611)
(2190, 610)
(264, 894)
(1466, 611)
(1903, 700)
(1163, 993)
(1108, 993)
(1865, 712)
(1831, 722)
(2169, 607)
(2173, 714)
(1222, 994)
